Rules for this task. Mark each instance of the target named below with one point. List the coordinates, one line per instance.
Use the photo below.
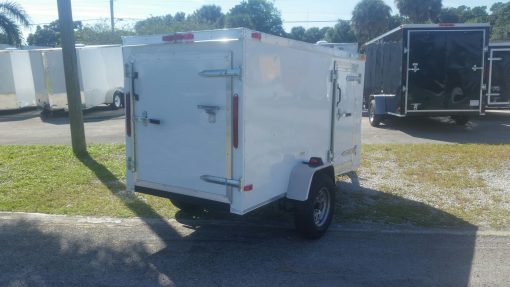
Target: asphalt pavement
(41, 250)
(103, 125)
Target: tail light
(235, 121)
(127, 100)
(256, 36)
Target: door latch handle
(211, 111)
(144, 119)
(414, 68)
(476, 68)
(155, 121)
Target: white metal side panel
(55, 79)
(112, 57)
(23, 80)
(190, 138)
(39, 77)
(7, 87)
(94, 79)
(287, 114)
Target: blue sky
(44, 11)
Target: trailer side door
(499, 77)
(346, 115)
(180, 121)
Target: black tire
(310, 222)
(373, 119)
(117, 101)
(185, 206)
(460, 120)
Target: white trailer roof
(226, 35)
(431, 26)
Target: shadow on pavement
(493, 128)
(229, 255)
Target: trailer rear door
(445, 70)
(499, 82)
(180, 121)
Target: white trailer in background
(16, 83)
(100, 74)
(241, 119)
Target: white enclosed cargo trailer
(16, 83)
(99, 70)
(241, 118)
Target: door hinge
(354, 78)
(130, 164)
(235, 72)
(484, 87)
(406, 50)
(221, 180)
(333, 76)
(331, 155)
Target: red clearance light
(256, 36)
(248, 187)
(235, 121)
(315, 161)
(178, 37)
(446, 25)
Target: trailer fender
(110, 93)
(380, 103)
(301, 179)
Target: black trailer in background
(426, 70)
(498, 93)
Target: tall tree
(464, 14)
(101, 34)
(210, 14)
(500, 21)
(370, 18)
(420, 11)
(12, 18)
(297, 33)
(341, 33)
(49, 35)
(314, 34)
(259, 15)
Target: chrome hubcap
(321, 207)
(117, 101)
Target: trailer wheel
(313, 216)
(461, 120)
(373, 119)
(118, 101)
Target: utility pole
(112, 17)
(65, 17)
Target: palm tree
(12, 18)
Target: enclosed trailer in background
(16, 83)
(498, 95)
(426, 70)
(241, 119)
(100, 73)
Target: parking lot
(103, 125)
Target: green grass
(50, 179)
(425, 184)
(430, 185)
